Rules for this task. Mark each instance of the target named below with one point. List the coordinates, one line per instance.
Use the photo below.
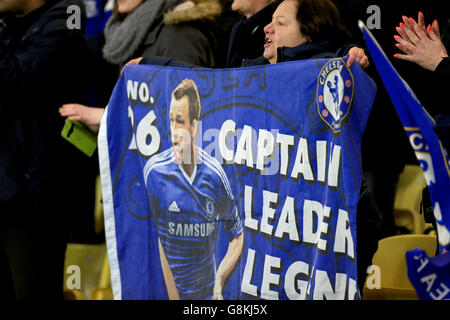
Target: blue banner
(97, 13)
(235, 183)
(430, 276)
(430, 153)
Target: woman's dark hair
(320, 20)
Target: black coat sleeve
(443, 70)
(184, 43)
(43, 57)
(167, 62)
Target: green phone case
(80, 136)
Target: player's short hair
(188, 88)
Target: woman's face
(128, 6)
(283, 31)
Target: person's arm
(419, 45)
(168, 275)
(227, 265)
(90, 116)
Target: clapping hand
(420, 44)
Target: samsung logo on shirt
(191, 229)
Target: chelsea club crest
(334, 96)
(209, 207)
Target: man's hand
(90, 116)
(217, 293)
(358, 55)
(419, 44)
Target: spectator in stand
(422, 45)
(323, 39)
(381, 171)
(40, 69)
(99, 80)
(147, 28)
(247, 36)
(102, 75)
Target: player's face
(127, 6)
(283, 31)
(181, 129)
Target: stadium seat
(103, 291)
(391, 260)
(86, 261)
(408, 198)
(73, 294)
(105, 276)
(99, 224)
(102, 294)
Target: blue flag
(235, 183)
(97, 13)
(430, 153)
(430, 276)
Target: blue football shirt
(188, 213)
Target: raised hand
(420, 44)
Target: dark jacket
(434, 85)
(38, 73)
(443, 70)
(185, 35)
(247, 37)
(384, 131)
(442, 127)
(167, 62)
(313, 50)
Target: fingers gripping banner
(235, 183)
